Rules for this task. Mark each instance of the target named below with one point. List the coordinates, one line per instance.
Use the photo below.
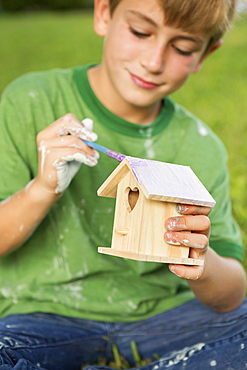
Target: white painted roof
(159, 181)
(171, 182)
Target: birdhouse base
(150, 258)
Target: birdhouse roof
(160, 181)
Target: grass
(119, 362)
(217, 94)
(40, 41)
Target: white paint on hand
(82, 132)
(44, 153)
(185, 242)
(74, 146)
(29, 184)
(68, 167)
(88, 123)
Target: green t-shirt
(59, 270)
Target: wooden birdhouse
(146, 193)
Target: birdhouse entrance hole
(131, 197)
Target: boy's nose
(153, 60)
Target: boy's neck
(128, 112)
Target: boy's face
(144, 60)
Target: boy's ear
(101, 16)
(209, 52)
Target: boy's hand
(61, 152)
(191, 229)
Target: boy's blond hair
(207, 17)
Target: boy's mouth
(143, 83)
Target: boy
(62, 303)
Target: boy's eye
(182, 52)
(141, 35)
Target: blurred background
(34, 5)
(45, 34)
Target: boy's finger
(197, 223)
(68, 141)
(58, 156)
(188, 209)
(186, 272)
(74, 127)
(192, 240)
(67, 125)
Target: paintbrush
(111, 153)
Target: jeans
(188, 337)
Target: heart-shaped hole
(132, 198)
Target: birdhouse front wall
(139, 223)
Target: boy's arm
(61, 151)
(220, 283)
(21, 213)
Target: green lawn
(46, 40)
(217, 94)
